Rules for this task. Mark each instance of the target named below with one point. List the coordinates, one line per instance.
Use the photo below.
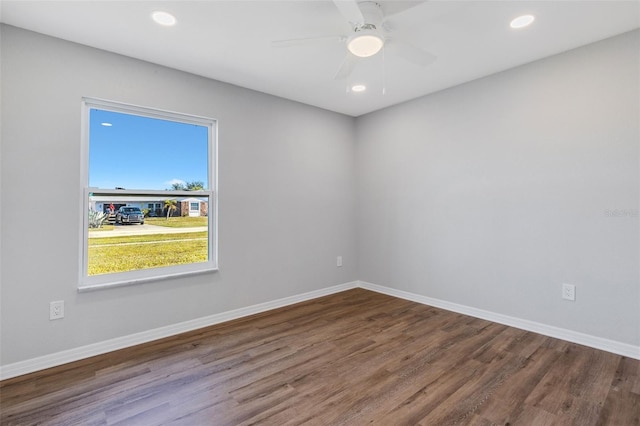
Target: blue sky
(137, 152)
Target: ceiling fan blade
(394, 8)
(307, 40)
(409, 52)
(347, 67)
(350, 10)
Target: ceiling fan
(370, 34)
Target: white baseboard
(52, 360)
(612, 346)
(47, 361)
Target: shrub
(96, 219)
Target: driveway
(124, 230)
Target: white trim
(130, 281)
(52, 360)
(612, 346)
(158, 113)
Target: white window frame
(94, 282)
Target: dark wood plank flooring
(352, 358)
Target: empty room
(319, 212)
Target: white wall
(493, 193)
(286, 186)
(489, 194)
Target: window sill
(134, 281)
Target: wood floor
(351, 358)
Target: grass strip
(102, 228)
(178, 222)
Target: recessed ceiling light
(358, 88)
(106, 124)
(522, 21)
(163, 18)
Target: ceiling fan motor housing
(366, 39)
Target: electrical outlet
(339, 261)
(56, 310)
(569, 292)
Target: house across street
(185, 206)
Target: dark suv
(128, 214)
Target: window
(148, 194)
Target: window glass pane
(135, 152)
(131, 241)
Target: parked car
(128, 214)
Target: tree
(194, 186)
(171, 206)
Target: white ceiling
(230, 41)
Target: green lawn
(128, 253)
(177, 222)
(102, 228)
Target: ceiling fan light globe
(365, 45)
